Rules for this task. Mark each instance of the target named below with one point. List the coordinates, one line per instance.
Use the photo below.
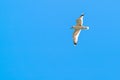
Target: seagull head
(87, 28)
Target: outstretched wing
(79, 21)
(75, 36)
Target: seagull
(79, 26)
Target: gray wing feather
(75, 36)
(79, 21)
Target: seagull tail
(72, 27)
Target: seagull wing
(79, 21)
(75, 36)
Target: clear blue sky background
(36, 40)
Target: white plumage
(79, 26)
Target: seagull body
(79, 26)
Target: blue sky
(36, 40)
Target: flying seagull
(79, 26)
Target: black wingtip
(75, 44)
(82, 14)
